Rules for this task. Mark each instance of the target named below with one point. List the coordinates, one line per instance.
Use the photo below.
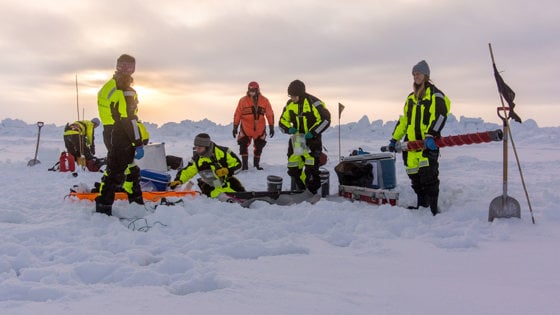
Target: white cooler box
(154, 158)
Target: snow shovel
(504, 206)
(35, 161)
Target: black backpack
(352, 173)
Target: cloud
(203, 53)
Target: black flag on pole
(507, 93)
(340, 109)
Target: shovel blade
(501, 207)
(33, 162)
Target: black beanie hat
(202, 140)
(296, 88)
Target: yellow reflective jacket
(309, 115)
(83, 128)
(219, 157)
(104, 97)
(119, 108)
(422, 117)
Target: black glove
(392, 145)
(234, 132)
(271, 130)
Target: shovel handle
(503, 109)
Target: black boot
(245, 160)
(434, 207)
(256, 161)
(421, 201)
(433, 201)
(136, 198)
(105, 209)
(297, 185)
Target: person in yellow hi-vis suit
(79, 139)
(425, 114)
(126, 142)
(216, 166)
(304, 116)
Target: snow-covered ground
(333, 257)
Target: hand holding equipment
(430, 143)
(139, 153)
(175, 183)
(392, 144)
(222, 172)
(81, 161)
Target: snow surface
(334, 257)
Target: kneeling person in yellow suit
(216, 166)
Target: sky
(195, 58)
(336, 256)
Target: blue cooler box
(383, 168)
(157, 180)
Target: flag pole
(77, 98)
(81, 159)
(504, 88)
(340, 109)
(339, 155)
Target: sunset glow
(194, 58)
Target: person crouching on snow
(79, 139)
(216, 166)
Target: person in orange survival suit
(250, 114)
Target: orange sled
(147, 195)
